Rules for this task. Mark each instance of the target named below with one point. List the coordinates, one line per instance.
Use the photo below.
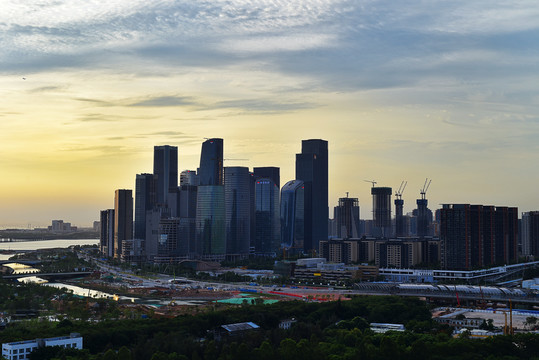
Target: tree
(531, 321)
(124, 353)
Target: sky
(402, 91)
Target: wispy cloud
(165, 101)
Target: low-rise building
(20, 350)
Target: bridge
(24, 262)
(453, 293)
(50, 276)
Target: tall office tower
(210, 171)
(312, 169)
(189, 177)
(210, 212)
(347, 218)
(400, 221)
(381, 210)
(211, 222)
(268, 227)
(238, 210)
(123, 219)
(187, 213)
(252, 211)
(271, 172)
(293, 215)
(165, 169)
(424, 218)
(106, 242)
(145, 199)
(530, 233)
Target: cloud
(46, 89)
(165, 101)
(262, 106)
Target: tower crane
(371, 181)
(398, 193)
(423, 191)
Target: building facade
(165, 169)
(123, 219)
(238, 210)
(268, 229)
(106, 242)
(145, 200)
(475, 236)
(312, 169)
(293, 215)
(20, 350)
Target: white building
(19, 350)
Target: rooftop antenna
(398, 193)
(371, 181)
(347, 194)
(423, 191)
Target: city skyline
(401, 91)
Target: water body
(45, 244)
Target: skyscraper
(271, 172)
(530, 233)
(210, 212)
(381, 210)
(237, 208)
(210, 171)
(268, 228)
(123, 219)
(400, 222)
(424, 218)
(347, 218)
(293, 215)
(107, 232)
(188, 177)
(145, 200)
(211, 222)
(312, 169)
(165, 169)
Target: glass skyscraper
(123, 219)
(312, 168)
(210, 171)
(237, 208)
(165, 169)
(268, 229)
(145, 199)
(210, 221)
(210, 211)
(293, 215)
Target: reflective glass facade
(165, 169)
(268, 229)
(293, 214)
(237, 208)
(210, 171)
(210, 221)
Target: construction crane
(371, 181)
(398, 193)
(423, 191)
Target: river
(42, 244)
(64, 243)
